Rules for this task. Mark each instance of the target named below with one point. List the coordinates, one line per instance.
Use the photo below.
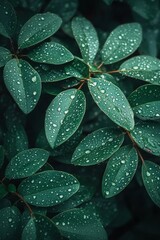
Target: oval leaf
(120, 170)
(5, 56)
(48, 188)
(23, 83)
(122, 42)
(8, 19)
(77, 224)
(145, 102)
(151, 180)
(26, 163)
(147, 136)
(144, 68)
(97, 147)
(51, 53)
(86, 37)
(112, 102)
(40, 227)
(38, 28)
(64, 116)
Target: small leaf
(151, 180)
(64, 116)
(26, 163)
(38, 28)
(86, 37)
(23, 83)
(145, 102)
(48, 188)
(40, 227)
(122, 42)
(112, 101)
(8, 19)
(5, 56)
(97, 147)
(51, 53)
(144, 68)
(120, 170)
(77, 224)
(147, 136)
(10, 223)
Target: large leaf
(97, 147)
(40, 228)
(145, 102)
(151, 180)
(77, 224)
(24, 84)
(51, 53)
(112, 101)
(5, 56)
(86, 38)
(147, 136)
(122, 42)
(48, 188)
(10, 223)
(144, 68)
(8, 19)
(64, 116)
(26, 163)
(38, 28)
(120, 170)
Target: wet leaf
(119, 171)
(10, 223)
(112, 101)
(40, 227)
(5, 56)
(97, 147)
(51, 53)
(147, 136)
(86, 37)
(26, 163)
(145, 102)
(77, 224)
(144, 68)
(38, 28)
(122, 42)
(151, 180)
(64, 116)
(48, 188)
(8, 19)
(24, 84)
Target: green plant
(70, 101)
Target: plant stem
(27, 205)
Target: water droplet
(148, 174)
(87, 151)
(72, 96)
(122, 161)
(10, 220)
(34, 79)
(34, 93)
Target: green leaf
(119, 171)
(5, 56)
(64, 116)
(144, 68)
(122, 42)
(86, 37)
(23, 82)
(151, 180)
(38, 28)
(145, 102)
(97, 147)
(40, 227)
(147, 136)
(8, 19)
(112, 101)
(26, 163)
(77, 224)
(51, 53)
(10, 223)
(1, 155)
(48, 188)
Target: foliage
(80, 119)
